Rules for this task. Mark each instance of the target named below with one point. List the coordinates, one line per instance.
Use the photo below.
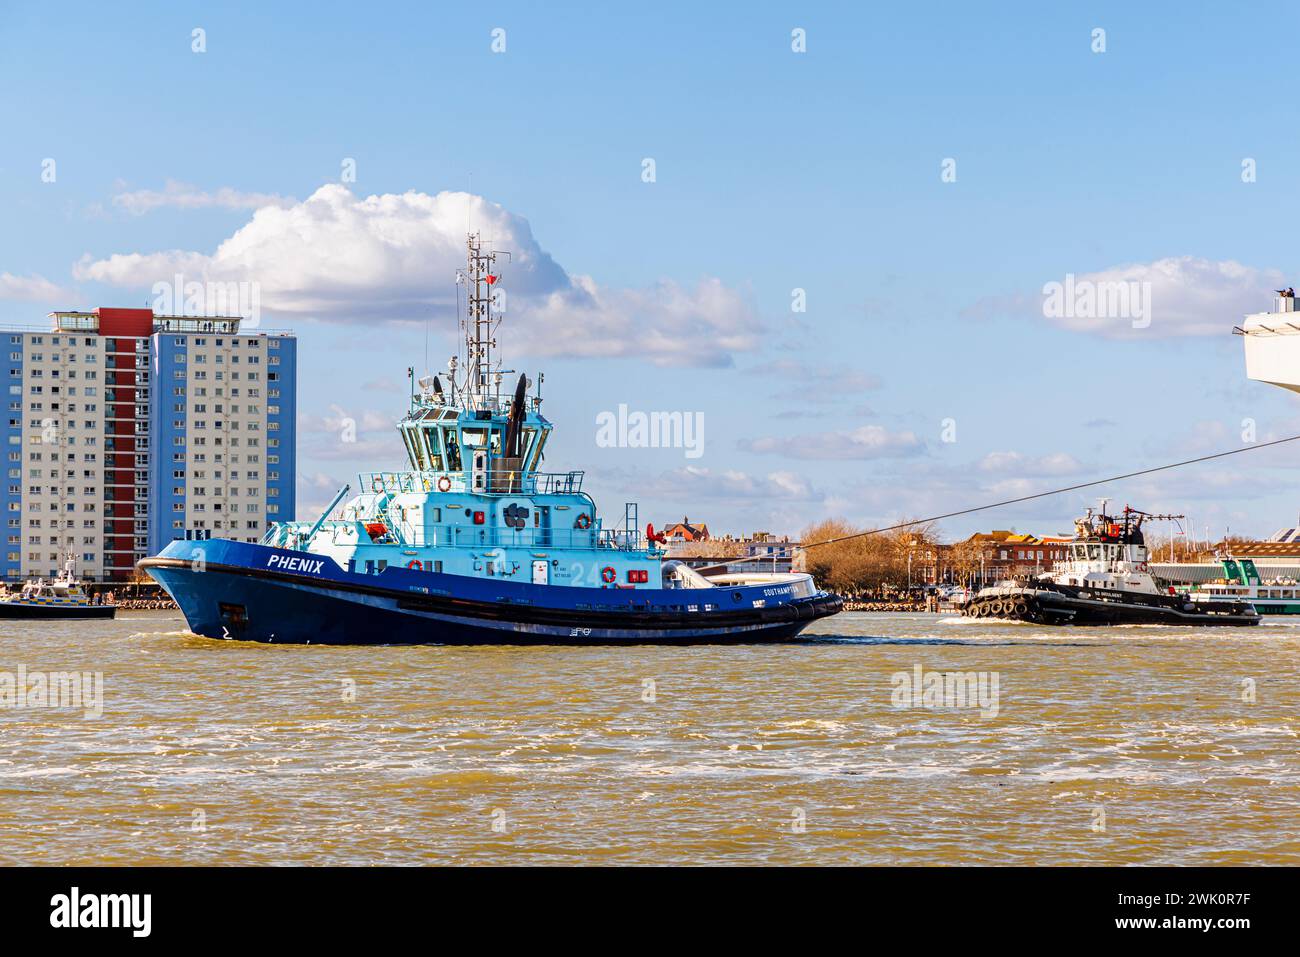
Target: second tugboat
(1106, 581)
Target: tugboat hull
(14, 609)
(1061, 606)
(235, 594)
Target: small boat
(1105, 581)
(62, 597)
(473, 543)
(1241, 582)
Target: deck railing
(406, 535)
(487, 482)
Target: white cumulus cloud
(336, 256)
(32, 288)
(1174, 296)
(692, 483)
(184, 196)
(864, 442)
(1057, 463)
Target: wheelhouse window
(432, 448)
(534, 460)
(414, 449)
(453, 449)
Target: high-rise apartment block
(127, 430)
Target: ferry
(1106, 580)
(1241, 582)
(62, 597)
(473, 543)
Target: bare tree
(964, 559)
(876, 563)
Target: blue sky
(775, 170)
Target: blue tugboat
(473, 544)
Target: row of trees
(870, 564)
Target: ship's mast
(481, 383)
(1140, 516)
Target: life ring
(444, 484)
(607, 574)
(415, 564)
(584, 521)
(376, 484)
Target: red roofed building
(684, 531)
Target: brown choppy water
(229, 753)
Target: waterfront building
(761, 550)
(1000, 554)
(769, 551)
(127, 430)
(1276, 558)
(684, 531)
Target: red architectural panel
(125, 322)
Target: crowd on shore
(131, 597)
(146, 604)
(880, 605)
(927, 602)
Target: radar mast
(481, 382)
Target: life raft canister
(584, 521)
(415, 564)
(444, 484)
(607, 574)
